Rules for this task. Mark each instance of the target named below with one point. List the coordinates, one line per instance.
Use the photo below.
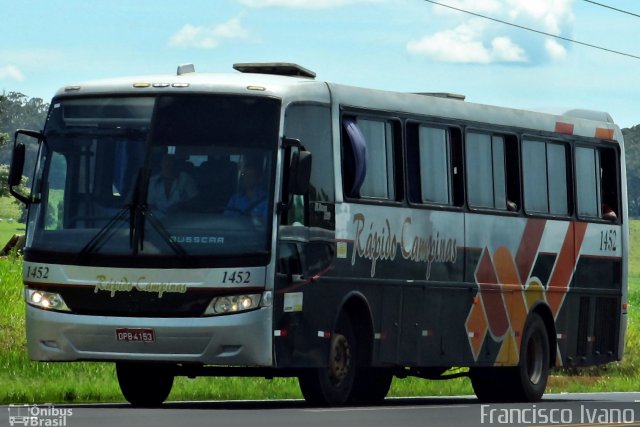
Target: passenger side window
(487, 156)
(597, 183)
(435, 171)
(433, 161)
(378, 182)
(610, 194)
(587, 182)
(535, 176)
(312, 125)
(368, 158)
(545, 177)
(56, 188)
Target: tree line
(18, 111)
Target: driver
(170, 187)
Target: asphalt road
(601, 409)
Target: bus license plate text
(135, 335)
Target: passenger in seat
(251, 199)
(608, 213)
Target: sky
(399, 45)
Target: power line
(613, 8)
(617, 52)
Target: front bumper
(243, 339)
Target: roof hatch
(186, 69)
(276, 68)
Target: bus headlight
(46, 300)
(233, 304)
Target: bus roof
(291, 83)
(234, 83)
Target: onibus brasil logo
(34, 415)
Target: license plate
(135, 334)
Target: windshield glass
(185, 177)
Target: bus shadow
(301, 404)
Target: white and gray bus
(264, 223)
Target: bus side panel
(472, 309)
(589, 321)
(305, 305)
(409, 265)
(420, 325)
(525, 264)
(573, 269)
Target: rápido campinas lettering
(381, 243)
(141, 284)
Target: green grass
(634, 253)
(23, 381)
(9, 208)
(9, 215)
(8, 229)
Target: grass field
(22, 381)
(9, 214)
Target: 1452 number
(608, 240)
(37, 272)
(236, 277)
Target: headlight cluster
(236, 303)
(46, 300)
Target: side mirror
(300, 173)
(17, 163)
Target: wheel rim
(535, 358)
(340, 361)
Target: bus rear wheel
(145, 385)
(332, 385)
(525, 382)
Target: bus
(263, 223)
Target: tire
(533, 369)
(371, 386)
(332, 385)
(525, 382)
(489, 383)
(144, 385)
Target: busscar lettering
(202, 240)
(375, 244)
(141, 284)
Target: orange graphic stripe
(565, 264)
(491, 295)
(528, 250)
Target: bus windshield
(178, 178)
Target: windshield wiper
(102, 236)
(106, 232)
(139, 214)
(162, 232)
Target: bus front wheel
(525, 382)
(331, 385)
(144, 385)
